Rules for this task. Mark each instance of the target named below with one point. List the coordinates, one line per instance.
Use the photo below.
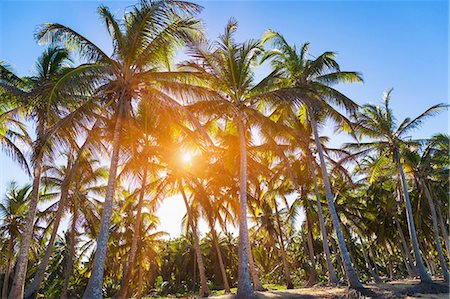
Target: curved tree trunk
(8, 268)
(436, 230)
(408, 258)
(313, 275)
(351, 273)
(424, 277)
(244, 289)
(39, 275)
(257, 286)
(444, 230)
(287, 272)
(22, 261)
(219, 258)
(95, 284)
(204, 289)
(374, 274)
(125, 283)
(69, 265)
(332, 278)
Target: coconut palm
(312, 81)
(379, 124)
(143, 44)
(51, 108)
(226, 71)
(421, 167)
(12, 212)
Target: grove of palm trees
(109, 135)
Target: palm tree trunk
(436, 230)
(374, 274)
(22, 261)
(219, 257)
(140, 283)
(245, 289)
(405, 251)
(351, 273)
(8, 268)
(136, 234)
(287, 272)
(257, 286)
(406, 248)
(313, 275)
(204, 289)
(444, 230)
(424, 277)
(332, 278)
(39, 275)
(69, 266)
(94, 287)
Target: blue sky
(400, 44)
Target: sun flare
(186, 157)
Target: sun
(186, 157)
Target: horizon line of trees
(236, 151)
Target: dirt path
(409, 289)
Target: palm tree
(311, 80)
(422, 169)
(143, 44)
(46, 104)
(12, 212)
(226, 71)
(379, 124)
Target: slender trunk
(287, 272)
(444, 230)
(351, 273)
(313, 275)
(8, 268)
(219, 258)
(257, 286)
(17, 288)
(436, 230)
(245, 289)
(375, 276)
(424, 277)
(140, 283)
(332, 278)
(338, 258)
(69, 266)
(407, 264)
(406, 249)
(95, 284)
(33, 288)
(375, 257)
(204, 289)
(136, 233)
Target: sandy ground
(409, 289)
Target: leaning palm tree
(12, 211)
(421, 166)
(312, 80)
(143, 42)
(387, 138)
(226, 72)
(45, 103)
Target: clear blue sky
(400, 44)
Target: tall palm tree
(379, 124)
(143, 44)
(312, 81)
(422, 169)
(226, 72)
(12, 212)
(46, 104)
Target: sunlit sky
(400, 44)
